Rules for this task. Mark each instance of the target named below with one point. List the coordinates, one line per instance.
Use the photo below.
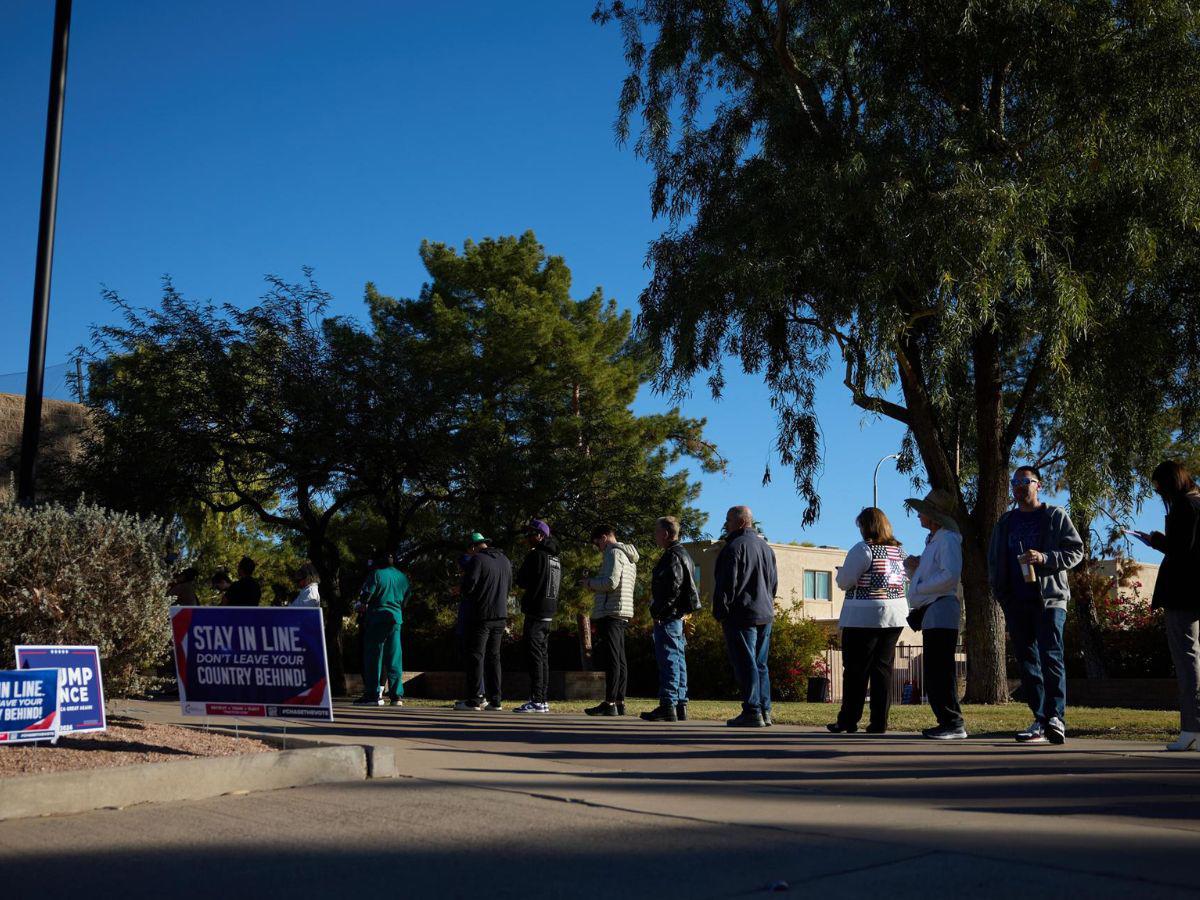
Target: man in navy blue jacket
(744, 586)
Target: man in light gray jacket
(612, 608)
(1032, 549)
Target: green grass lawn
(982, 721)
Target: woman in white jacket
(872, 618)
(307, 580)
(933, 599)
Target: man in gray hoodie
(612, 608)
(1032, 549)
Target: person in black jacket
(540, 576)
(485, 585)
(673, 596)
(1177, 590)
(246, 591)
(745, 582)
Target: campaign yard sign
(80, 689)
(28, 705)
(251, 661)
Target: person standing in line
(246, 591)
(307, 580)
(540, 576)
(383, 659)
(673, 597)
(872, 618)
(1177, 590)
(612, 608)
(936, 610)
(1032, 549)
(745, 582)
(486, 582)
(183, 588)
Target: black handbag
(916, 616)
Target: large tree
(945, 198)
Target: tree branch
(1020, 412)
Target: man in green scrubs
(384, 596)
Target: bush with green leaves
(86, 575)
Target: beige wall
(1147, 575)
(793, 561)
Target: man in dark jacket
(1032, 549)
(485, 585)
(673, 596)
(745, 582)
(540, 576)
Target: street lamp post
(875, 480)
(35, 377)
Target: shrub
(86, 575)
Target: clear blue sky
(220, 141)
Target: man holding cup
(1033, 547)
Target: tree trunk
(983, 635)
(328, 566)
(585, 641)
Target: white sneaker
(1034, 734)
(1187, 741)
(398, 702)
(1056, 730)
(494, 707)
(533, 707)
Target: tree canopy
(490, 398)
(977, 210)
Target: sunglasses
(1021, 482)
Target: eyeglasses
(1021, 482)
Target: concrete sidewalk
(497, 804)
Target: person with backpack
(540, 576)
(673, 597)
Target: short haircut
(1032, 470)
(875, 527)
(603, 531)
(248, 565)
(670, 525)
(744, 516)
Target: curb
(381, 761)
(187, 779)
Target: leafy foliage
(86, 575)
(975, 208)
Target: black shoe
(766, 717)
(946, 733)
(750, 718)
(661, 713)
(602, 709)
(621, 708)
(681, 712)
(839, 728)
(876, 729)
(368, 701)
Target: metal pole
(875, 479)
(35, 377)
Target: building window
(818, 586)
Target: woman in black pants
(933, 599)
(872, 618)
(1177, 590)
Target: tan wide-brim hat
(939, 504)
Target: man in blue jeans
(745, 582)
(1032, 549)
(673, 596)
